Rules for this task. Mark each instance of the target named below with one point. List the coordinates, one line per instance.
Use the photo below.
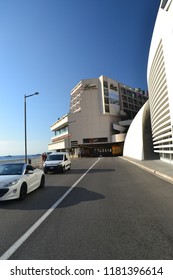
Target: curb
(152, 171)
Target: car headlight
(10, 184)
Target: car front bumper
(53, 168)
(9, 193)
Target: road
(115, 211)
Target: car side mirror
(29, 172)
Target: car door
(30, 178)
(67, 161)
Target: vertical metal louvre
(159, 105)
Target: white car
(59, 161)
(19, 179)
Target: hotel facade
(101, 110)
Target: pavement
(157, 167)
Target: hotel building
(101, 110)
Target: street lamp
(25, 97)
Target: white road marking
(25, 236)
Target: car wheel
(42, 182)
(23, 192)
(63, 169)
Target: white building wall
(134, 145)
(118, 137)
(90, 122)
(61, 145)
(160, 82)
(168, 54)
(59, 123)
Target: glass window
(125, 105)
(95, 140)
(114, 97)
(105, 84)
(55, 157)
(107, 109)
(130, 100)
(124, 97)
(129, 93)
(29, 168)
(11, 169)
(112, 86)
(61, 131)
(106, 92)
(106, 100)
(123, 91)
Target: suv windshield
(55, 157)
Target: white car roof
(58, 153)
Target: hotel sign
(89, 87)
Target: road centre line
(26, 235)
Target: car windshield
(11, 169)
(55, 157)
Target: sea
(18, 158)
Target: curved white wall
(133, 145)
(160, 82)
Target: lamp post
(25, 97)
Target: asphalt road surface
(114, 210)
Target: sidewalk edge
(150, 170)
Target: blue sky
(50, 45)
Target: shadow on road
(82, 171)
(79, 195)
(41, 199)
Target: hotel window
(129, 93)
(106, 100)
(61, 131)
(95, 140)
(113, 87)
(131, 107)
(125, 105)
(136, 108)
(74, 144)
(107, 109)
(124, 97)
(130, 100)
(123, 91)
(106, 92)
(105, 84)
